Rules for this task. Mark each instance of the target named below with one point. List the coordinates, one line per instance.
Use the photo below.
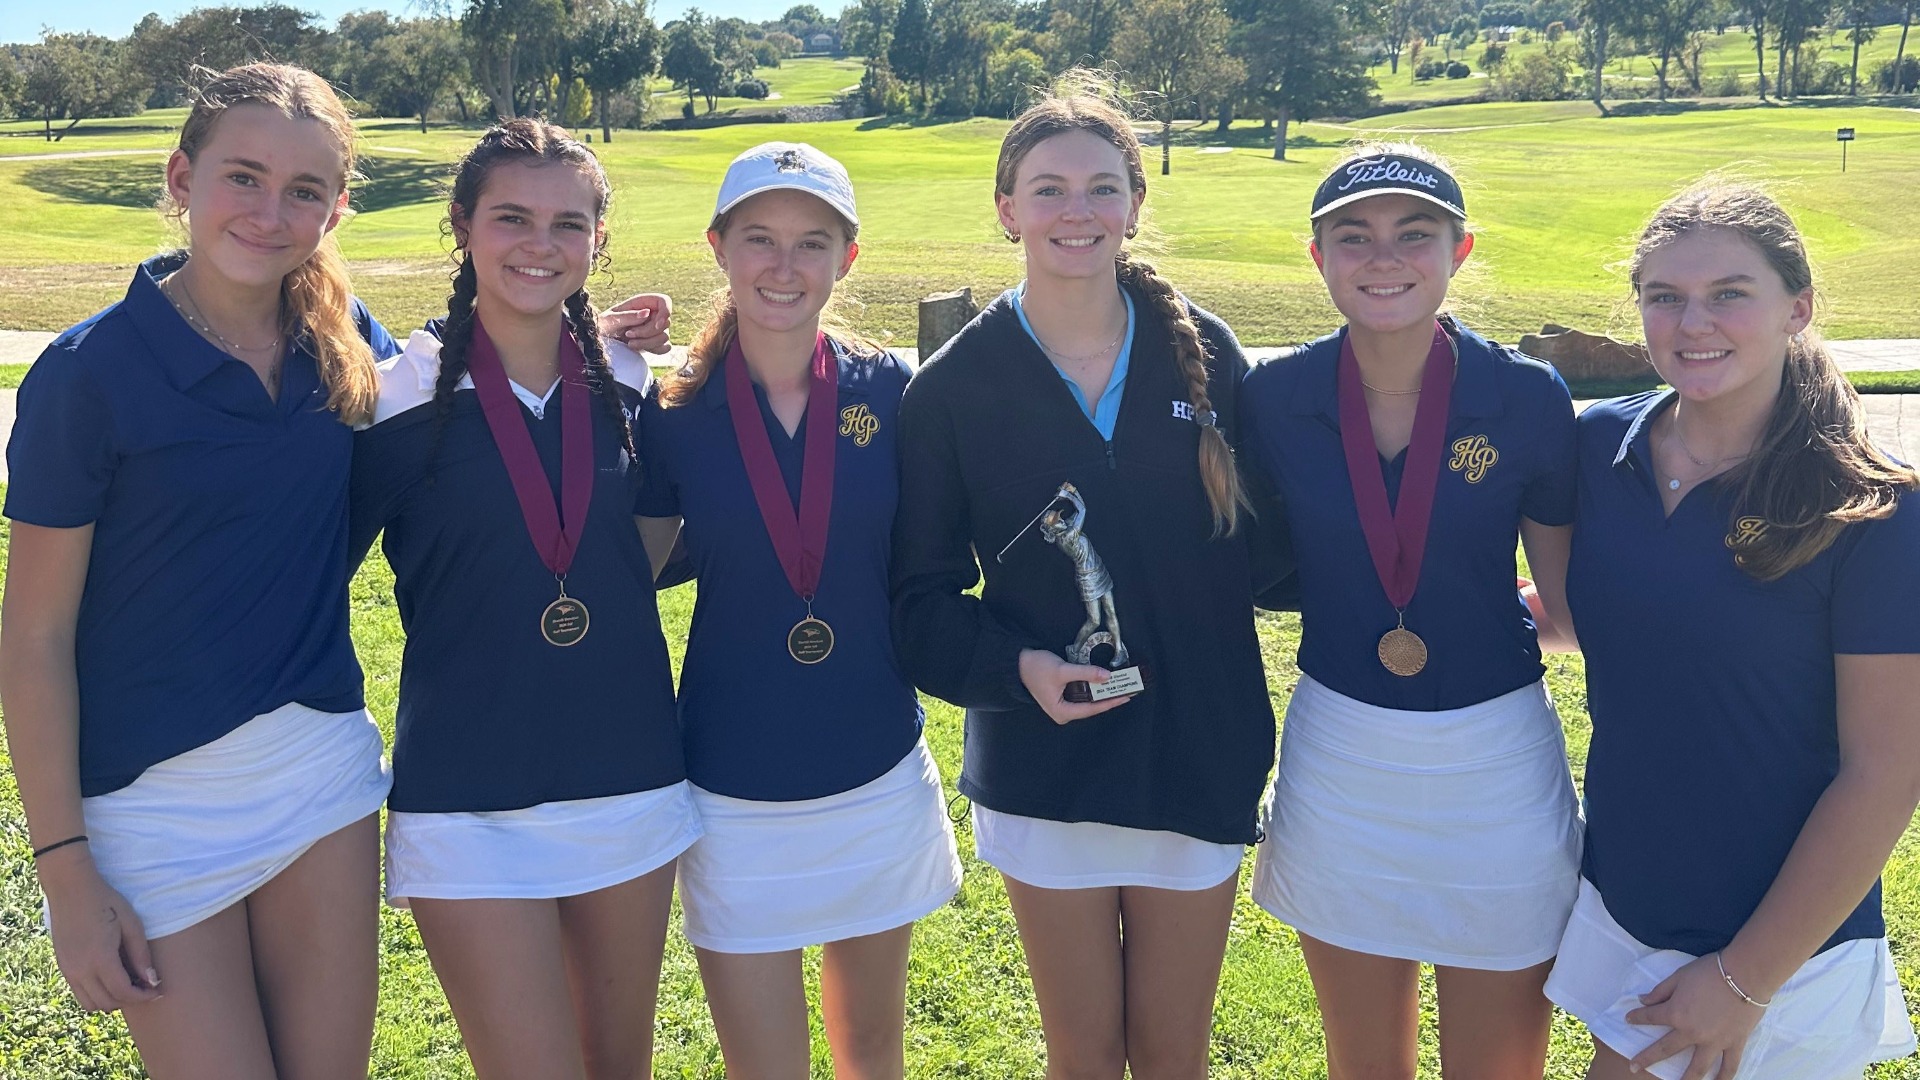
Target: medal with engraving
(555, 530)
(1397, 536)
(799, 539)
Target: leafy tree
(622, 47)
(503, 36)
(220, 38)
(73, 77)
(1176, 50)
(1012, 75)
(9, 85)
(866, 27)
(689, 59)
(732, 49)
(1398, 20)
(1599, 20)
(1758, 13)
(1860, 30)
(415, 65)
(1667, 28)
(1083, 30)
(804, 13)
(1906, 20)
(910, 50)
(1300, 60)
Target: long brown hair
(536, 142)
(316, 295)
(1083, 100)
(1812, 472)
(716, 334)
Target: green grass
(1729, 51)
(970, 1008)
(1232, 223)
(799, 80)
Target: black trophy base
(1121, 683)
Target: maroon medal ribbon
(555, 531)
(800, 541)
(1397, 536)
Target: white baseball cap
(793, 166)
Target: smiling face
(1071, 205)
(1717, 315)
(530, 235)
(782, 251)
(260, 193)
(1387, 260)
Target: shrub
(686, 110)
(1493, 57)
(1429, 69)
(752, 89)
(1902, 80)
(1727, 85)
(880, 93)
(1541, 76)
(1458, 70)
(1556, 30)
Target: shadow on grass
(1676, 106)
(400, 181)
(884, 123)
(136, 183)
(139, 183)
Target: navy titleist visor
(1388, 174)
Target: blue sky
(22, 20)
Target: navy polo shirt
(491, 716)
(1508, 455)
(216, 584)
(1715, 727)
(758, 724)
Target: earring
(1133, 230)
(1012, 237)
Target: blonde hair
(1084, 100)
(722, 325)
(1813, 472)
(316, 295)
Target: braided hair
(1084, 100)
(534, 142)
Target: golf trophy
(1063, 527)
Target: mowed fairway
(1556, 194)
(1555, 191)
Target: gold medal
(1402, 652)
(564, 622)
(810, 640)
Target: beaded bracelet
(58, 844)
(1735, 987)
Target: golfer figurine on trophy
(1063, 527)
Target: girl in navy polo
(1422, 810)
(539, 795)
(771, 453)
(183, 706)
(1075, 429)
(1743, 583)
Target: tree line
(588, 62)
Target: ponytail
(583, 324)
(704, 355)
(1222, 481)
(1813, 472)
(319, 303)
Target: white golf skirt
(550, 850)
(197, 833)
(774, 876)
(1092, 854)
(1447, 837)
(1839, 1013)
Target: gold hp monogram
(1472, 457)
(859, 422)
(1746, 530)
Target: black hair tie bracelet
(58, 844)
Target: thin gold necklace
(198, 319)
(1061, 357)
(1708, 468)
(1395, 393)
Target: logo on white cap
(789, 161)
(787, 166)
